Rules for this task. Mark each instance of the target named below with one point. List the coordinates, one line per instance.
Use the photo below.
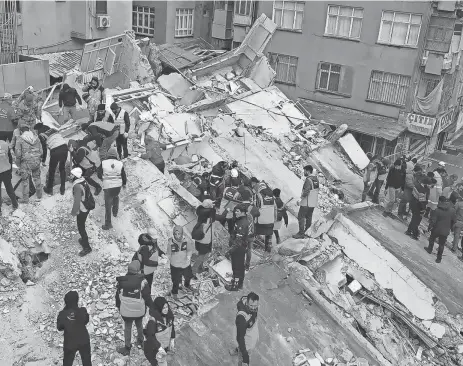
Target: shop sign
(419, 124)
(445, 120)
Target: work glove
(126, 134)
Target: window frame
(337, 22)
(382, 83)
(238, 4)
(102, 3)
(317, 86)
(392, 28)
(295, 11)
(288, 64)
(136, 11)
(180, 12)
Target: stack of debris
(329, 356)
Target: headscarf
(156, 309)
(177, 229)
(71, 300)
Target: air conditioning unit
(103, 21)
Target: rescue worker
(94, 95)
(266, 220)
(247, 328)
(216, 181)
(202, 183)
(28, 155)
(408, 188)
(203, 243)
(238, 246)
(154, 152)
(100, 114)
(79, 210)
(231, 197)
(368, 176)
(148, 255)
(440, 225)
(395, 184)
(8, 118)
(282, 214)
(114, 178)
(257, 186)
(161, 313)
(86, 159)
(433, 197)
(308, 201)
(120, 118)
(29, 109)
(6, 168)
(152, 348)
(132, 298)
(381, 168)
(67, 100)
(179, 252)
(52, 139)
(252, 213)
(458, 227)
(418, 205)
(451, 186)
(73, 321)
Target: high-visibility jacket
(252, 330)
(119, 121)
(130, 295)
(230, 196)
(106, 127)
(268, 212)
(112, 173)
(207, 229)
(4, 159)
(311, 200)
(91, 158)
(154, 256)
(53, 138)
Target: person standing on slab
(94, 95)
(86, 159)
(148, 255)
(202, 234)
(247, 328)
(308, 201)
(418, 205)
(6, 169)
(367, 176)
(120, 118)
(395, 184)
(73, 321)
(67, 100)
(282, 214)
(161, 313)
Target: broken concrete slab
(331, 274)
(175, 84)
(352, 148)
(9, 262)
(437, 330)
(293, 246)
(262, 73)
(366, 282)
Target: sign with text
(419, 124)
(445, 120)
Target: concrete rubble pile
(330, 356)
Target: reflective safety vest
(91, 158)
(112, 173)
(53, 138)
(267, 210)
(119, 121)
(132, 302)
(215, 180)
(312, 199)
(153, 257)
(163, 331)
(4, 160)
(230, 195)
(252, 331)
(207, 229)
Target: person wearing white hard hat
(81, 208)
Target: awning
(368, 124)
(61, 62)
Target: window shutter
(346, 80)
(439, 35)
(317, 79)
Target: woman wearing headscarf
(162, 315)
(73, 320)
(154, 353)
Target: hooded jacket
(78, 192)
(133, 295)
(28, 149)
(204, 213)
(443, 219)
(368, 172)
(96, 96)
(165, 328)
(153, 151)
(68, 97)
(151, 345)
(179, 252)
(395, 178)
(73, 320)
(247, 330)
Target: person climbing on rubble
(202, 234)
(440, 226)
(368, 173)
(120, 118)
(73, 321)
(50, 138)
(9, 119)
(94, 95)
(148, 255)
(161, 313)
(81, 208)
(86, 159)
(308, 201)
(179, 252)
(154, 353)
(282, 214)
(67, 100)
(247, 328)
(238, 246)
(133, 297)
(154, 152)
(216, 181)
(28, 156)
(114, 177)
(6, 169)
(409, 168)
(382, 171)
(266, 220)
(395, 185)
(418, 205)
(29, 108)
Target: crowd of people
(432, 194)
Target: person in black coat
(151, 346)
(73, 320)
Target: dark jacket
(241, 328)
(395, 178)
(151, 345)
(204, 214)
(155, 312)
(73, 320)
(126, 120)
(145, 252)
(443, 219)
(420, 194)
(130, 280)
(68, 97)
(282, 213)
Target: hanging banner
(419, 124)
(445, 120)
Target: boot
(232, 286)
(428, 249)
(438, 260)
(246, 267)
(97, 190)
(107, 226)
(233, 352)
(84, 252)
(39, 193)
(48, 191)
(299, 236)
(239, 286)
(124, 351)
(115, 211)
(62, 189)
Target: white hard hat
(234, 173)
(441, 163)
(77, 172)
(194, 158)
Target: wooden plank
(37, 73)
(14, 77)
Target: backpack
(89, 201)
(198, 233)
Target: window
(388, 88)
(285, 67)
(430, 85)
(440, 32)
(183, 22)
(288, 14)
(243, 7)
(101, 7)
(328, 77)
(457, 29)
(235, 45)
(344, 21)
(143, 20)
(401, 29)
(219, 5)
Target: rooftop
(61, 62)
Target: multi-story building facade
(172, 21)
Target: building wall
(364, 55)
(47, 25)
